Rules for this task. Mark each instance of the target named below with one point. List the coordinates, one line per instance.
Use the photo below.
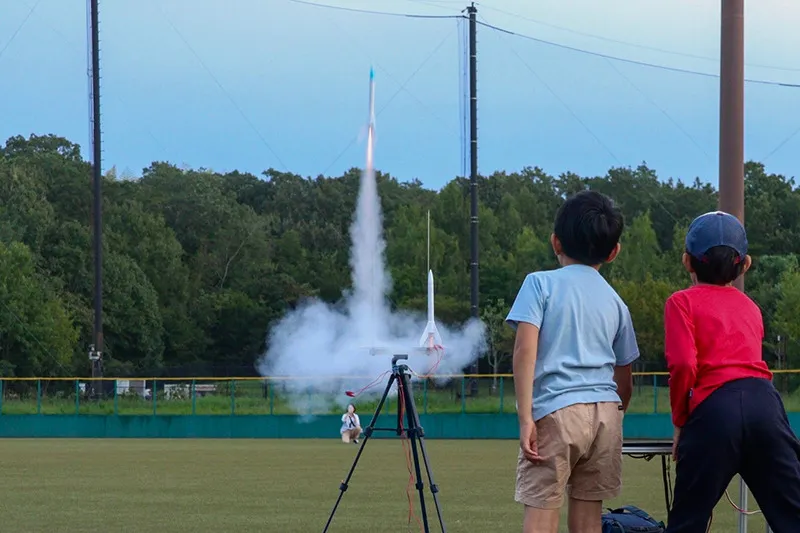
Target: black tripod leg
(367, 433)
(420, 434)
(412, 424)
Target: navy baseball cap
(716, 228)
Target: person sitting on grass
(728, 416)
(351, 425)
(574, 347)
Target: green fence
(436, 426)
(258, 396)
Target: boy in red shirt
(728, 417)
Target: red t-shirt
(713, 335)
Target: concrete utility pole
(731, 112)
(731, 139)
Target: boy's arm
(623, 377)
(680, 351)
(525, 317)
(524, 363)
(626, 350)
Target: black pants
(741, 428)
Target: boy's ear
(556, 244)
(687, 263)
(614, 253)
(748, 262)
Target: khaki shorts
(581, 447)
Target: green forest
(198, 264)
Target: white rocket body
(430, 337)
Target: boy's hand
(528, 440)
(675, 438)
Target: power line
(391, 98)
(19, 29)
(781, 144)
(125, 106)
(373, 12)
(633, 45)
(631, 61)
(559, 45)
(560, 100)
(222, 88)
(663, 111)
(463, 93)
(582, 123)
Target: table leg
(665, 478)
(742, 505)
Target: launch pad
(412, 430)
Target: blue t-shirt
(585, 330)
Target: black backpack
(630, 519)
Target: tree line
(198, 264)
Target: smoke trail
(325, 350)
(370, 279)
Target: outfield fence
(282, 395)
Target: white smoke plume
(320, 351)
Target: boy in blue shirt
(572, 372)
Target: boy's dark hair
(719, 266)
(589, 226)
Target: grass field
(249, 397)
(279, 486)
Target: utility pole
(96, 349)
(731, 138)
(731, 112)
(473, 178)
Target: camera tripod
(414, 432)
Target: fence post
(2, 382)
(38, 396)
(194, 397)
(502, 393)
(463, 394)
(154, 393)
(77, 397)
(425, 396)
(271, 386)
(116, 398)
(233, 397)
(655, 393)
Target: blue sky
(253, 84)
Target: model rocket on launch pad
(430, 337)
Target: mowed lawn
(281, 486)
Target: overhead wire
(566, 106)
(463, 91)
(552, 43)
(18, 28)
(557, 97)
(402, 88)
(222, 88)
(36, 339)
(780, 145)
(373, 12)
(628, 43)
(72, 43)
(661, 109)
(631, 61)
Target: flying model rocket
(430, 337)
(371, 123)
